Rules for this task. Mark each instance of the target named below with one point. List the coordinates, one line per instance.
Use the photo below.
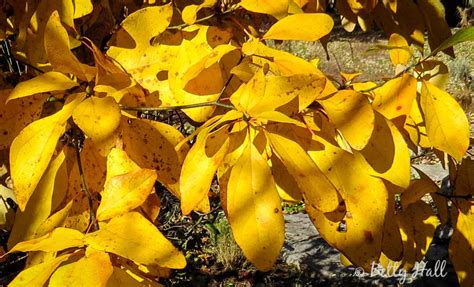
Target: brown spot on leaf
(368, 236)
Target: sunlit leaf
(316, 188)
(461, 246)
(92, 270)
(365, 196)
(33, 148)
(446, 123)
(126, 278)
(150, 247)
(200, 166)
(190, 11)
(59, 239)
(99, 118)
(47, 82)
(152, 145)
(254, 209)
(40, 206)
(387, 153)
(56, 43)
(16, 115)
(124, 189)
(39, 274)
(276, 8)
(301, 27)
(400, 53)
(352, 114)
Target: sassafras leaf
(33, 148)
(276, 8)
(254, 209)
(47, 82)
(150, 247)
(37, 275)
(92, 270)
(59, 239)
(99, 119)
(352, 114)
(446, 123)
(304, 26)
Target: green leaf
(463, 35)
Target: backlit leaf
(151, 145)
(59, 239)
(316, 188)
(200, 165)
(47, 82)
(33, 148)
(461, 247)
(446, 123)
(56, 43)
(306, 27)
(40, 206)
(400, 52)
(366, 202)
(99, 118)
(92, 270)
(387, 153)
(125, 192)
(16, 115)
(352, 114)
(126, 278)
(276, 8)
(39, 274)
(190, 11)
(150, 247)
(254, 209)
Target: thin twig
(92, 218)
(173, 108)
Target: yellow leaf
(359, 235)
(56, 43)
(82, 8)
(16, 115)
(59, 239)
(400, 52)
(316, 188)
(33, 148)
(417, 223)
(40, 206)
(415, 126)
(446, 123)
(99, 119)
(276, 8)
(126, 278)
(200, 165)
(92, 270)
(151, 207)
(461, 247)
(417, 189)
(305, 26)
(352, 114)
(150, 247)
(125, 192)
(47, 82)
(387, 153)
(254, 209)
(286, 185)
(56, 220)
(395, 98)
(392, 244)
(38, 275)
(433, 71)
(152, 145)
(190, 11)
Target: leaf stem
(92, 218)
(172, 108)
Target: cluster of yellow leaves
(273, 127)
